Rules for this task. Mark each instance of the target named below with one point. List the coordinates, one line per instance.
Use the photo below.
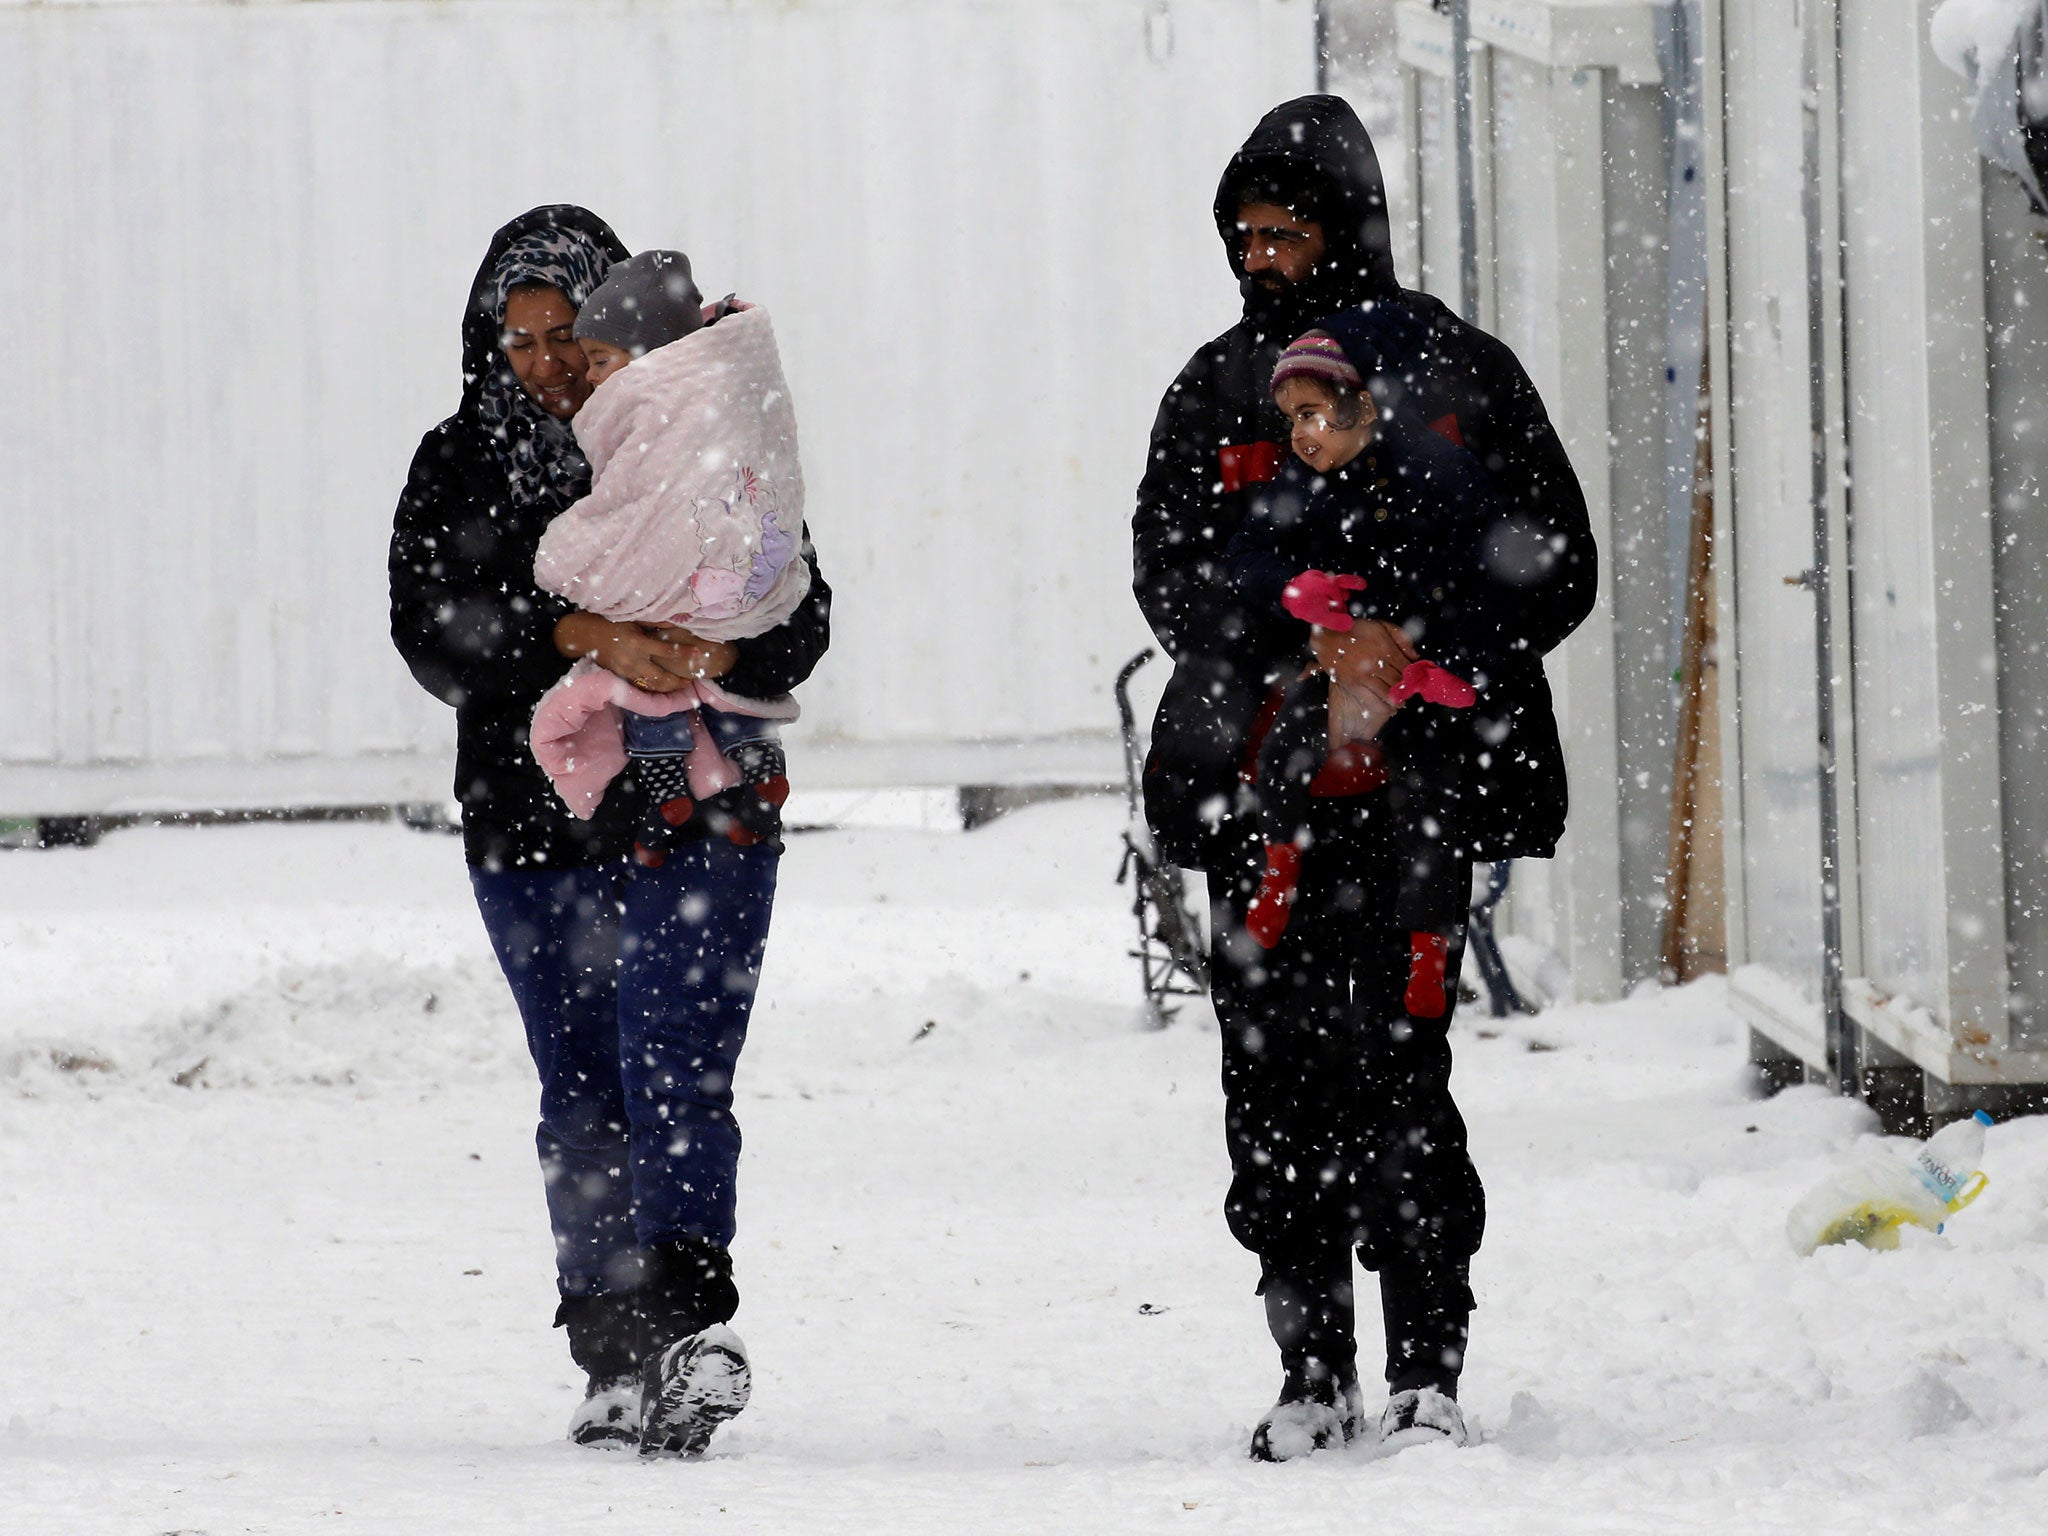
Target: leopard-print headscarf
(539, 452)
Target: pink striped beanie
(1316, 356)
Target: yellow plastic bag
(1868, 1201)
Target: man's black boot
(1319, 1404)
(1427, 1305)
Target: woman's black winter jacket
(479, 635)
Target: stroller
(1172, 959)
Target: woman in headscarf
(634, 983)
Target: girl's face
(544, 355)
(604, 360)
(1326, 432)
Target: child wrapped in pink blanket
(694, 519)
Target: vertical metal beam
(1407, 229)
(1462, 154)
(1822, 51)
(1921, 504)
(1714, 89)
(1574, 185)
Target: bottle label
(1939, 1178)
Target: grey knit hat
(644, 302)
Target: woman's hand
(656, 658)
(1367, 659)
(695, 657)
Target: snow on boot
(605, 1342)
(1425, 1417)
(690, 1388)
(1315, 1410)
(610, 1415)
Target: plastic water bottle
(1951, 1155)
(1868, 1198)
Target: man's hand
(1367, 659)
(654, 657)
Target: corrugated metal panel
(248, 231)
(2016, 298)
(1912, 453)
(1773, 700)
(1569, 158)
(1926, 667)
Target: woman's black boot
(696, 1374)
(604, 1341)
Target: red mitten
(1428, 956)
(1266, 918)
(1317, 597)
(1433, 685)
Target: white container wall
(2016, 297)
(1932, 894)
(1570, 191)
(1764, 477)
(1907, 244)
(244, 235)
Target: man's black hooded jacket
(478, 634)
(1313, 156)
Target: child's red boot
(1266, 918)
(1429, 956)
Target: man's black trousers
(1338, 1113)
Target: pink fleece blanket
(579, 732)
(695, 516)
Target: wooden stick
(1692, 664)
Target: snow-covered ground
(274, 1260)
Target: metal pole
(1844, 1065)
(1322, 35)
(1461, 135)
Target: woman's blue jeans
(635, 986)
